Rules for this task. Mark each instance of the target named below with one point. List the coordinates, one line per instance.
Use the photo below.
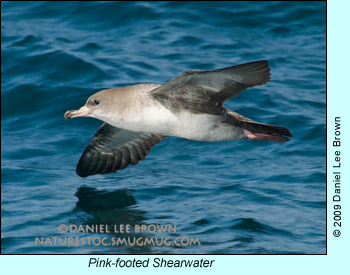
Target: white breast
(144, 115)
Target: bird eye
(96, 102)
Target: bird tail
(257, 131)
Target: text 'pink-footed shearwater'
(189, 106)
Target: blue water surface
(240, 197)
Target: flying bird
(188, 106)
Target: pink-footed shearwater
(188, 106)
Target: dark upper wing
(114, 149)
(206, 91)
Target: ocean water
(239, 197)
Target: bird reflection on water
(111, 210)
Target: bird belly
(204, 127)
(159, 120)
